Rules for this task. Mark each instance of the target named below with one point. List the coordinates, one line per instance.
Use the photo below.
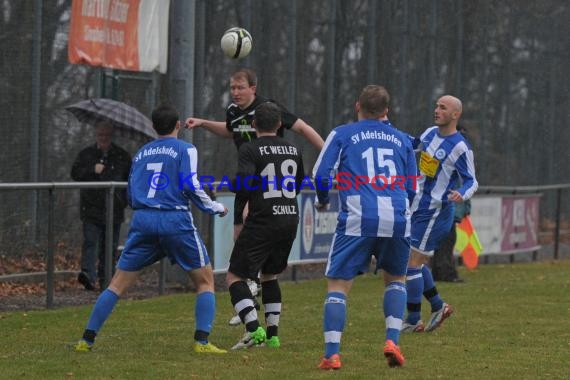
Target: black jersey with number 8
(269, 176)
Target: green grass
(510, 322)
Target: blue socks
(430, 291)
(204, 313)
(333, 322)
(335, 315)
(394, 307)
(102, 309)
(419, 281)
(415, 288)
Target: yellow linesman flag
(468, 243)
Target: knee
(205, 287)
(205, 284)
(267, 277)
(417, 259)
(203, 279)
(389, 278)
(232, 278)
(118, 288)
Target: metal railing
(51, 187)
(534, 189)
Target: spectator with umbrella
(121, 115)
(102, 161)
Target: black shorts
(259, 248)
(239, 204)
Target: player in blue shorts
(163, 180)
(375, 166)
(445, 157)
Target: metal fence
(507, 60)
(53, 238)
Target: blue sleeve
(325, 167)
(194, 191)
(465, 167)
(415, 141)
(412, 174)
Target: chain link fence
(507, 61)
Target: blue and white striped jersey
(443, 161)
(375, 167)
(163, 176)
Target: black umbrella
(121, 115)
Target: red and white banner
(506, 224)
(519, 224)
(120, 34)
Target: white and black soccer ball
(236, 43)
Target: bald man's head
(454, 102)
(447, 111)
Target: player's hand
(193, 122)
(224, 213)
(322, 207)
(455, 196)
(99, 168)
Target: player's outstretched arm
(308, 133)
(216, 127)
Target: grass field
(510, 323)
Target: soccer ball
(236, 43)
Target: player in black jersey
(269, 177)
(238, 126)
(239, 116)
